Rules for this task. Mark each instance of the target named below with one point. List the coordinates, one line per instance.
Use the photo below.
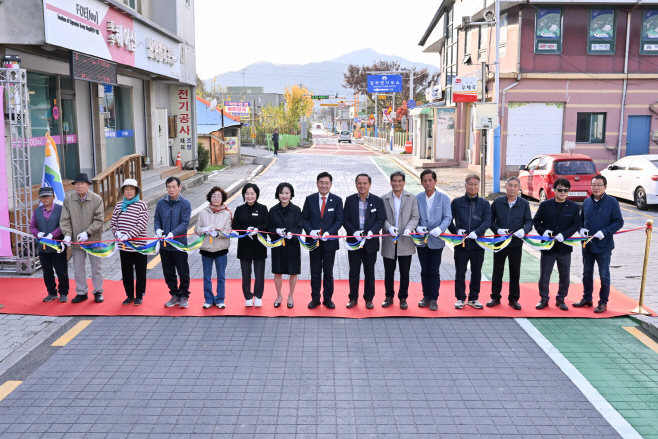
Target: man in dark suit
(364, 217)
(323, 216)
(557, 217)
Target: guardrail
(107, 183)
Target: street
(249, 377)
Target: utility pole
(376, 98)
(483, 137)
(496, 146)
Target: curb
(649, 324)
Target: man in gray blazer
(402, 217)
(435, 217)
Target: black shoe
(63, 298)
(543, 304)
(138, 301)
(433, 305)
(388, 302)
(563, 306)
(601, 308)
(514, 304)
(50, 298)
(329, 304)
(370, 305)
(423, 303)
(313, 304)
(493, 302)
(98, 297)
(79, 298)
(582, 303)
(351, 304)
(129, 300)
(290, 304)
(403, 304)
(277, 303)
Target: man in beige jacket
(402, 217)
(82, 217)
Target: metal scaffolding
(15, 107)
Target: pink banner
(5, 241)
(41, 141)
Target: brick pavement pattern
(228, 377)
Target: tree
(298, 102)
(356, 79)
(200, 87)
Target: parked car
(634, 178)
(345, 136)
(537, 177)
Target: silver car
(345, 136)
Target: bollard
(640, 305)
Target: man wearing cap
(45, 224)
(82, 217)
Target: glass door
(70, 153)
(119, 133)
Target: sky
(233, 34)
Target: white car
(634, 178)
(345, 136)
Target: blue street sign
(411, 103)
(384, 83)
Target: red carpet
(24, 296)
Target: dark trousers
(389, 275)
(322, 273)
(546, 264)
(259, 275)
(172, 262)
(58, 263)
(356, 258)
(430, 276)
(603, 261)
(276, 149)
(138, 261)
(514, 254)
(462, 258)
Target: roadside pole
(376, 97)
(483, 137)
(496, 145)
(393, 123)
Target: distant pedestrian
(275, 140)
(83, 217)
(130, 221)
(601, 213)
(215, 246)
(172, 217)
(45, 224)
(251, 216)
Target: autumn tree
(298, 102)
(200, 87)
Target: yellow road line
(639, 213)
(71, 333)
(646, 340)
(7, 388)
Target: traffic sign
(411, 103)
(328, 105)
(318, 97)
(253, 132)
(382, 97)
(342, 104)
(384, 83)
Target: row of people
(362, 215)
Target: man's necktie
(324, 203)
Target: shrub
(204, 157)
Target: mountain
(321, 78)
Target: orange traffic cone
(178, 162)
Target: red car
(537, 177)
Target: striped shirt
(133, 222)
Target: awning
(426, 109)
(211, 121)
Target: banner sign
(384, 83)
(237, 108)
(549, 24)
(231, 146)
(5, 240)
(464, 89)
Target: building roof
(435, 20)
(210, 121)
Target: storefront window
(42, 91)
(119, 133)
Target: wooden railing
(107, 183)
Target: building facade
(106, 79)
(574, 77)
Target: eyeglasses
(562, 191)
(598, 185)
(217, 197)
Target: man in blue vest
(45, 224)
(600, 218)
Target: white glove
(49, 236)
(599, 235)
(421, 229)
(281, 232)
(324, 235)
(548, 233)
(40, 235)
(213, 233)
(158, 233)
(254, 230)
(503, 231)
(67, 240)
(436, 231)
(203, 230)
(358, 233)
(124, 237)
(473, 235)
(289, 235)
(315, 233)
(584, 233)
(170, 235)
(392, 230)
(461, 232)
(117, 234)
(82, 237)
(369, 235)
(559, 237)
(519, 233)
(407, 232)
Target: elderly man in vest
(82, 217)
(45, 224)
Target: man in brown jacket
(402, 217)
(82, 217)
